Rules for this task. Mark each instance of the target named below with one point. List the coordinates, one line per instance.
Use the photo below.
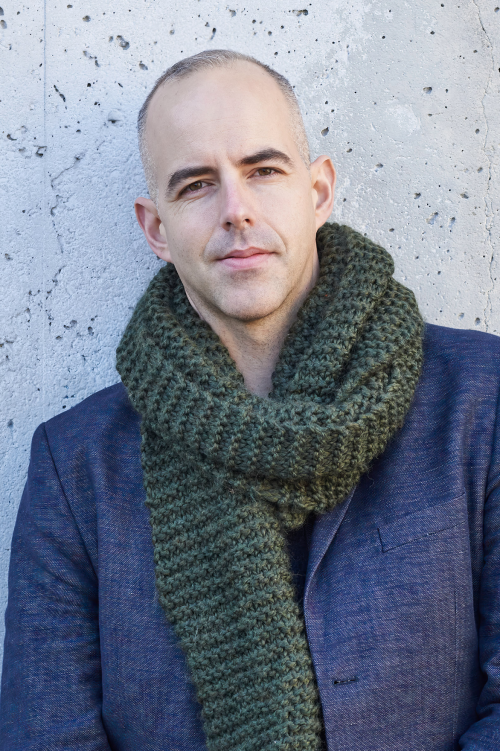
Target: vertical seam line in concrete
(488, 219)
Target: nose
(236, 209)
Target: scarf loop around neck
(227, 474)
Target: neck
(255, 346)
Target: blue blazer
(402, 597)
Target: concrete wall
(402, 95)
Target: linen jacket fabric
(402, 595)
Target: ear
(151, 224)
(323, 188)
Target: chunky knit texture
(227, 473)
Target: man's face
(237, 206)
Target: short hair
(216, 59)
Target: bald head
(242, 68)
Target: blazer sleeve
(51, 684)
(484, 735)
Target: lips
(245, 258)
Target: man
(304, 545)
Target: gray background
(402, 95)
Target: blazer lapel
(325, 529)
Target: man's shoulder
(104, 417)
(461, 363)
(464, 347)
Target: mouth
(245, 258)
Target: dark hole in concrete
(123, 42)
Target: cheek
(195, 219)
(292, 215)
(188, 231)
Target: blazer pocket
(421, 524)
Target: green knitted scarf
(227, 474)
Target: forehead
(215, 112)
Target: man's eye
(195, 186)
(263, 171)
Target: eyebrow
(264, 155)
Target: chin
(250, 310)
